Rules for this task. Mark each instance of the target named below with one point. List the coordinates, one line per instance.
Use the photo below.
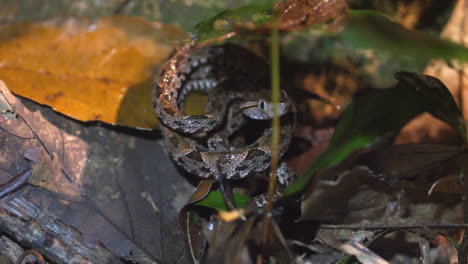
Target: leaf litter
(85, 190)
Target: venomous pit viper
(233, 78)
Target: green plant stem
(275, 83)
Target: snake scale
(234, 78)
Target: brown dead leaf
(193, 230)
(388, 187)
(424, 163)
(29, 141)
(100, 70)
(239, 242)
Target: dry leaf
(239, 241)
(56, 158)
(391, 188)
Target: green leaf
(187, 13)
(215, 200)
(394, 47)
(372, 30)
(377, 118)
(222, 23)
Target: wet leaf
(100, 70)
(377, 118)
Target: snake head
(259, 105)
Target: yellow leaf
(101, 70)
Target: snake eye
(262, 105)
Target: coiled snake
(235, 80)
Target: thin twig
(15, 183)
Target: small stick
(15, 183)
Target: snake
(213, 65)
(234, 79)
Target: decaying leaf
(55, 160)
(192, 224)
(239, 242)
(422, 163)
(389, 187)
(101, 70)
(190, 216)
(55, 157)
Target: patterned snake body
(234, 79)
(206, 68)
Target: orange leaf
(100, 70)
